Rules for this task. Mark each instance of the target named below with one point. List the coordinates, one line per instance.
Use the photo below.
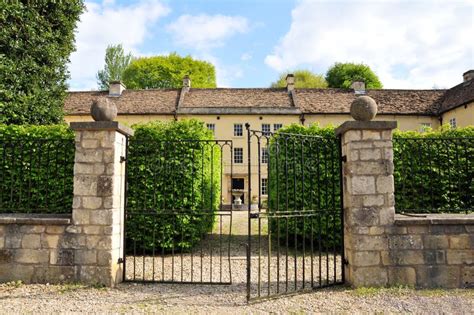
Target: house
(226, 110)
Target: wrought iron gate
(295, 235)
(177, 227)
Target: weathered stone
(459, 257)
(380, 167)
(370, 154)
(418, 229)
(363, 108)
(88, 155)
(454, 229)
(53, 274)
(73, 241)
(73, 229)
(101, 217)
(438, 276)
(373, 200)
(362, 185)
(2, 242)
(84, 168)
(356, 145)
(368, 242)
(461, 241)
(396, 230)
(93, 229)
(90, 144)
(371, 135)
(352, 135)
(353, 156)
(85, 185)
(376, 230)
(402, 276)
(13, 236)
(55, 229)
(434, 257)
(5, 256)
(81, 217)
(363, 216)
(104, 258)
(31, 241)
(31, 256)
(469, 228)
(385, 184)
(387, 216)
(406, 257)
(15, 272)
(435, 241)
(32, 229)
(92, 202)
(105, 186)
(63, 257)
(467, 274)
(366, 258)
(103, 109)
(85, 257)
(405, 242)
(370, 277)
(49, 241)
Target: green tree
(36, 40)
(341, 75)
(168, 72)
(303, 79)
(116, 61)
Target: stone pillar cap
(102, 125)
(365, 125)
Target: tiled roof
(165, 101)
(459, 95)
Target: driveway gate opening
(177, 227)
(295, 236)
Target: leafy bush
(174, 185)
(434, 170)
(36, 169)
(304, 181)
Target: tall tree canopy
(168, 72)
(303, 79)
(116, 61)
(36, 40)
(341, 75)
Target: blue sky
(409, 44)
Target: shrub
(174, 185)
(36, 168)
(304, 181)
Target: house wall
(124, 119)
(464, 115)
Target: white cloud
(245, 57)
(408, 44)
(106, 24)
(206, 31)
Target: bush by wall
(173, 185)
(36, 169)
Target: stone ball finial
(103, 109)
(363, 108)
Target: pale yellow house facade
(226, 111)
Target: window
(264, 155)
(452, 122)
(277, 126)
(211, 127)
(238, 130)
(237, 183)
(425, 126)
(266, 129)
(238, 155)
(264, 186)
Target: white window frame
(425, 126)
(264, 156)
(211, 127)
(264, 186)
(276, 127)
(453, 123)
(267, 132)
(238, 130)
(240, 154)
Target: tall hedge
(304, 181)
(434, 170)
(173, 185)
(36, 169)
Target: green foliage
(36, 169)
(36, 39)
(304, 173)
(303, 79)
(174, 185)
(341, 75)
(168, 72)
(116, 61)
(433, 170)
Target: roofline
(451, 108)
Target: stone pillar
(98, 206)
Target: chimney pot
(290, 82)
(186, 82)
(116, 88)
(358, 87)
(468, 75)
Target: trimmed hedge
(36, 169)
(174, 185)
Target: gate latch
(120, 261)
(123, 159)
(254, 216)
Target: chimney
(116, 88)
(468, 75)
(290, 82)
(186, 82)
(358, 86)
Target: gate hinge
(123, 159)
(344, 158)
(120, 261)
(346, 262)
(254, 216)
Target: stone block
(53, 274)
(390, 200)
(96, 275)
(112, 202)
(6, 256)
(13, 237)
(376, 230)
(386, 134)
(83, 168)
(406, 257)
(63, 257)
(464, 241)
(2, 242)
(85, 257)
(371, 135)
(91, 202)
(469, 228)
(31, 256)
(353, 155)
(76, 202)
(381, 167)
(454, 229)
(101, 217)
(405, 242)
(49, 241)
(55, 229)
(356, 145)
(387, 154)
(368, 242)
(363, 185)
(104, 258)
(434, 257)
(90, 143)
(32, 229)
(85, 185)
(109, 155)
(387, 216)
(81, 217)
(373, 200)
(105, 186)
(396, 230)
(366, 258)
(385, 184)
(31, 241)
(88, 155)
(369, 276)
(467, 274)
(363, 216)
(460, 257)
(402, 276)
(73, 241)
(438, 276)
(15, 272)
(73, 229)
(370, 154)
(383, 144)
(99, 242)
(418, 229)
(92, 229)
(352, 135)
